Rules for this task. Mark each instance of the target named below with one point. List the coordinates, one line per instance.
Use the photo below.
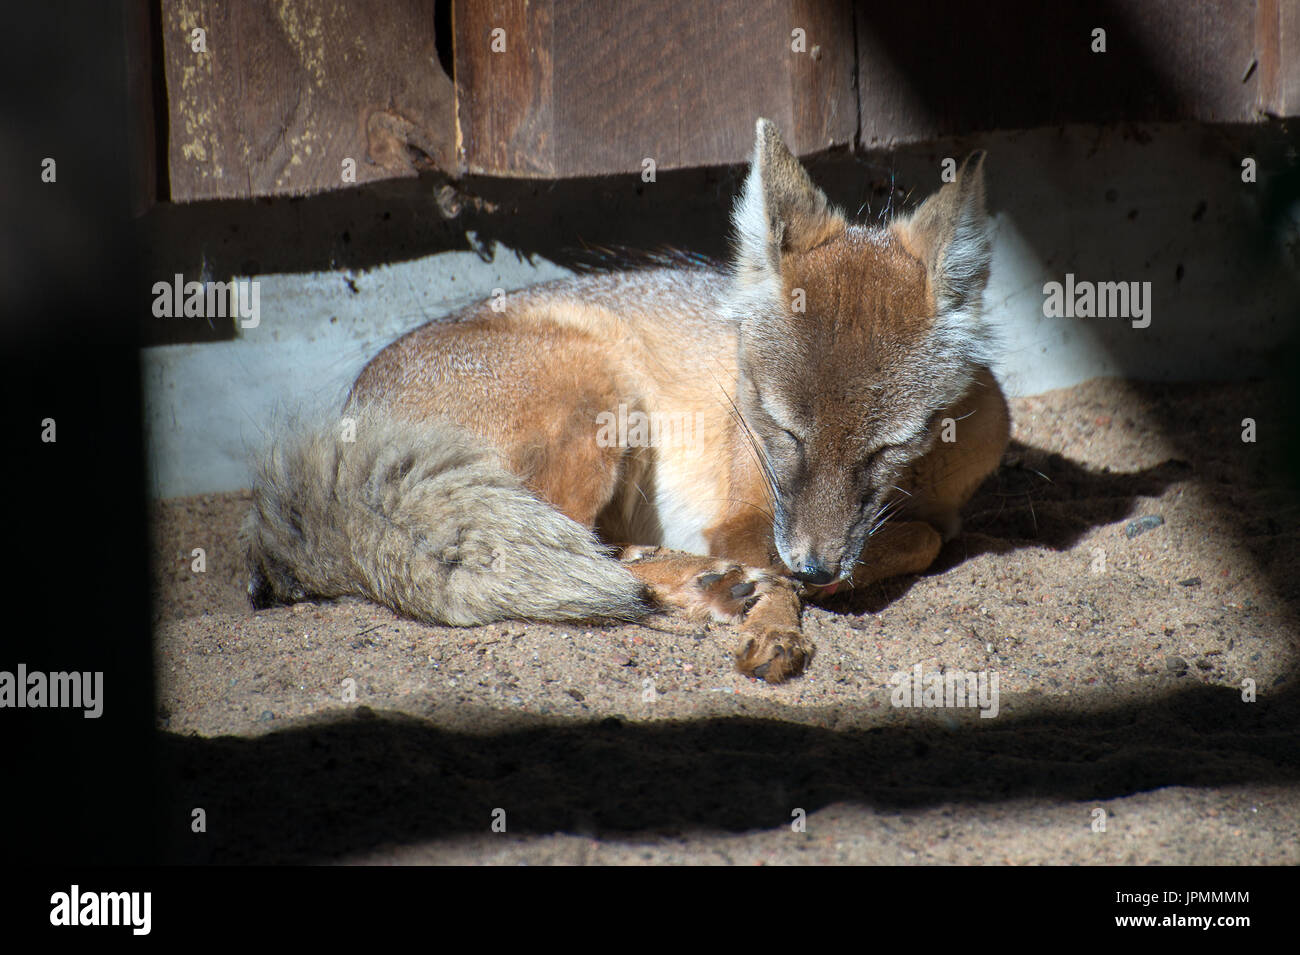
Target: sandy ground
(1128, 567)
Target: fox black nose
(814, 572)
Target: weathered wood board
(572, 89)
(934, 68)
(285, 91)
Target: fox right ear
(779, 209)
(949, 233)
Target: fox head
(853, 340)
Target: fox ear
(779, 209)
(950, 235)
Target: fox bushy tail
(423, 518)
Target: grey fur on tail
(424, 519)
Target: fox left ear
(949, 233)
(779, 210)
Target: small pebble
(1142, 525)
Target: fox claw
(743, 589)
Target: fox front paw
(728, 592)
(773, 647)
(774, 655)
(764, 605)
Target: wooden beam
(284, 92)
(577, 89)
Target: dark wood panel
(287, 90)
(593, 88)
(934, 68)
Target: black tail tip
(260, 592)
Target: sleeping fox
(837, 407)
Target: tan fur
(478, 475)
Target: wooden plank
(596, 88)
(934, 68)
(287, 90)
(504, 96)
(1277, 45)
(1287, 96)
(824, 111)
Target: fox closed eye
(786, 448)
(877, 471)
(873, 461)
(780, 438)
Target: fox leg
(774, 647)
(976, 429)
(898, 548)
(705, 587)
(764, 605)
